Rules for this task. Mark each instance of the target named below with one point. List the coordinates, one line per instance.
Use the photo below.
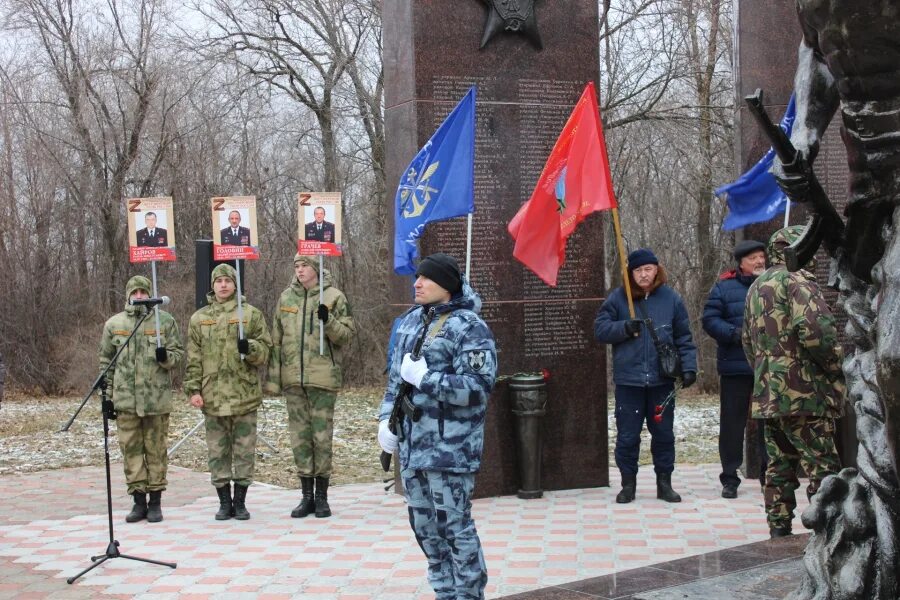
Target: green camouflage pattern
(231, 445)
(142, 441)
(791, 340)
(295, 359)
(228, 385)
(138, 384)
(311, 425)
(793, 442)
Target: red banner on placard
(312, 248)
(139, 254)
(235, 252)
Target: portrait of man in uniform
(152, 236)
(234, 234)
(319, 229)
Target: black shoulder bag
(669, 358)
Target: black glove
(688, 378)
(736, 337)
(103, 384)
(633, 327)
(244, 346)
(323, 313)
(161, 355)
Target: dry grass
(29, 440)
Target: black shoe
(240, 495)
(154, 508)
(729, 490)
(139, 510)
(626, 495)
(779, 532)
(306, 506)
(664, 489)
(224, 511)
(322, 508)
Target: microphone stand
(109, 413)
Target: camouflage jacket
(229, 385)
(295, 359)
(139, 384)
(790, 338)
(462, 366)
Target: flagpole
(787, 213)
(621, 246)
(469, 247)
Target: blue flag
(755, 197)
(438, 184)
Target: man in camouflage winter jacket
(141, 390)
(222, 380)
(790, 339)
(441, 452)
(310, 375)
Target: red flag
(574, 183)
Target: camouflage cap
(223, 270)
(312, 261)
(780, 240)
(138, 282)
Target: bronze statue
(849, 60)
(511, 15)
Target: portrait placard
(151, 229)
(319, 223)
(235, 232)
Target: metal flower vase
(529, 401)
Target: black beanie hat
(747, 247)
(441, 269)
(641, 257)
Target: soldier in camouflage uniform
(310, 379)
(222, 380)
(790, 339)
(141, 387)
(441, 452)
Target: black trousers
(734, 407)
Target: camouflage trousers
(440, 512)
(793, 442)
(143, 444)
(231, 443)
(311, 424)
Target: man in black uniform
(151, 235)
(235, 235)
(320, 230)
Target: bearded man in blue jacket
(723, 320)
(640, 385)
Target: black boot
(306, 506)
(240, 509)
(629, 483)
(224, 511)
(322, 508)
(139, 510)
(664, 489)
(154, 509)
(779, 532)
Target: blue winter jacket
(635, 361)
(723, 318)
(462, 367)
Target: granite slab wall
(432, 57)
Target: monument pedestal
(524, 97)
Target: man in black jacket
(723, 319)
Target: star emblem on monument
(511, 15)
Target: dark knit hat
(641, 257)
(441, 269)
(747, 247)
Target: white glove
(387, 440)
(412, 371)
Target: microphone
(148, 302)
